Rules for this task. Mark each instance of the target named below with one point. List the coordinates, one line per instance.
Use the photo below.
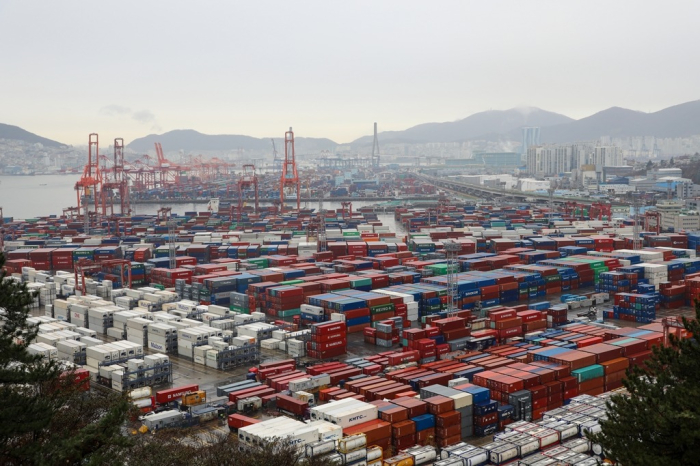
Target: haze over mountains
(189, 140)
(18, 134)
(673, 122)
(679, 121)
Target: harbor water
(34, 196)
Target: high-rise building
(560, 158)
(549, 160)
(531, 137)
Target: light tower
(636, 230)
(171, 242)
(375, 148)
(290, 177)
(452, 248)
(322, 241)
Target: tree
(46, 417)
(671, 162)
(214, 449)
(659, 422)
(650, 165)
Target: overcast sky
(330, 69)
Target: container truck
(174, 394)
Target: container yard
(466, 335)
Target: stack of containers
(672, 296)
(167, 277)
(353, 449)
(417, 339)
(328, 340)
(557, 315)
(635, 307)
(62, 259)
(137, 330)
(692, 291)
(533, 320)
(454, 424)
(385, 334)
(507, 322)
(283, 301)
(655, 274)
(617, 282)
(162, 338)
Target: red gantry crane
(90, 184)
(116, 180)
(652, 221)
(290, 178)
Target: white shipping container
(351, 443)
(327, 430)
(353, 416)
(422, 455)
(474, 457)
(320, 448)
(353, 456)
(503, 453)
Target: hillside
(489, 124)
(189, 140)
(19, 134)
(678, 121)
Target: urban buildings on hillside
(554, 159)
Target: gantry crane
(276, 160)
(90, 184)
(248, 180)
(116, 179)
(346, 210)
(652, 221)
(600, 210)
(290, 177)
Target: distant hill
(189, 140)
(673, 122)
(19, 134)
(488, 125)
(678, 121)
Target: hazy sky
(328, 68)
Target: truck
(194, 398)
(174, 394)
(237, 421)
(155, 421)
(292, 405)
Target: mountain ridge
(677, 121)
(190, 140)
(19, 134)
(481, 124)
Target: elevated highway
(492, 194)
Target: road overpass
(491, 194)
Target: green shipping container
(588, 373)
(381, 308)
(261, 262)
